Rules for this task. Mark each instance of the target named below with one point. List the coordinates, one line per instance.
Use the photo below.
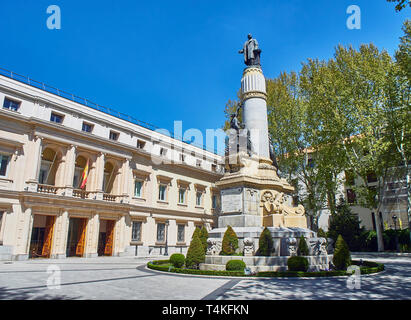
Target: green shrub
(342, 257)
(347, 224)
(177, 260)
(195, 253)
(265, 244)
(302, 247)
(235, 265)
(204, 237)
(230, 242)
(197, 232)
(297, 264)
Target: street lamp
(394, 219)
(166, 235)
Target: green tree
(197, 232)
(346, 224)
(302, 247)
(401, 4)
(265, 243)
(288, 126)
(342, 256)
(398, 109)
(230, 242)
(195, 253)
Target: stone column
(60, 235)
(70, 164)
(93, 228)
(119, 230)
(23, 234)
(254, 99)
(99, 176)
(126, 181)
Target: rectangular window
(141, 144)
(214, 167)
(182, 157)
(199, 199)
(11, 104)
(4, 162)
(180, 233)
(161, 227)
(57, 118)
(136, 231)
(198, 163)
(214, 201)
(162, 192)
(138, 186)
(113, 135)
(87, 127)
(351, 196)
(182, 195)
(163, 152)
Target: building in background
(77, 179)
(394, 198)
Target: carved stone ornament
(213, 246)
(248, 247)
(292, 246)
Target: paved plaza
(127, 278)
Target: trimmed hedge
(204, 237)
(195, 253)
(367, 267)
(342, 257)
(297, 264)
(230, 242)
(303, 247)
(158, 266)
(235, 265)
(265, 243)
(177, 260)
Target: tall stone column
(23, 233)
(70, 164)
(60, 235)
(99, 176)
(254, 99)
(125, 192)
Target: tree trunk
(380, 240)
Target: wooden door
(108, 250)
(48, 236)
(82, 239)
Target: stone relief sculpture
(213, 246)
(274, 202)
(318, 246)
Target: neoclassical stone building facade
(145, 192)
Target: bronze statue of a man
(251, 52)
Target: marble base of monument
(260, 264)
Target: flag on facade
(84, 176)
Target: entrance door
(108, 250)
(106, 238)
(41, 236)
(76, 239)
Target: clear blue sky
(162, 61)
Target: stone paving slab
(126, 278)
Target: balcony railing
(109, 197)
(45, 188)
(82, 194)
(91, 104)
